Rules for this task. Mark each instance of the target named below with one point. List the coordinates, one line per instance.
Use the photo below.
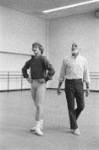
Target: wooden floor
(17, 118)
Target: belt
(74, 80)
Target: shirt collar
(74, 56)
(36, 57)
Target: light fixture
(70, 6)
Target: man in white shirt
(75, 72)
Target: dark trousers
(74, 93)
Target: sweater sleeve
(50, 70)
(25, 68)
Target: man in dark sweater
(40, 72)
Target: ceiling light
(70, 6)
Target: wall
(83, 29)
(17, 33)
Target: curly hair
(39, 45)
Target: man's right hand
(29, 80)
(59, 91)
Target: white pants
(38, 92)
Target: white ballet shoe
(37, 129)
(38, 132)
(41, 126)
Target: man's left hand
(87, 92)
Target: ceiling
(35, 7)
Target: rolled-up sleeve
(86, 77)
(62, 72)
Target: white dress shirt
(74, 68)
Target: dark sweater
(39, 68)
